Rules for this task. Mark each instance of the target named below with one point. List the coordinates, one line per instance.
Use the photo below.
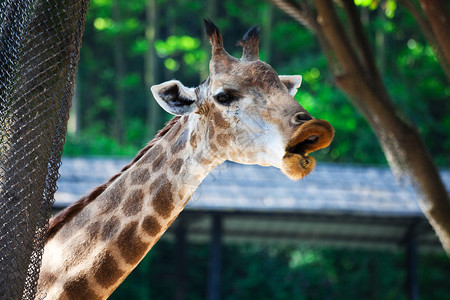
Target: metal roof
(336, 204)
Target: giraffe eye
(226, 97)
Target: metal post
(215, 259)
(411, 266)
(180, 235)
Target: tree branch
(429, 34)
(298, 11)
(333, 31)
(438, 16)
(400, 140)
(362, 44)
(305, 15)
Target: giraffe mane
(57, 222)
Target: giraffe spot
(156, 149)
(151, 225)
(184, 119)
(77, 288)
(213, 147)
(46, 278)
(260, 75)
(174, 131)
(162, 201)
(131, 247)
(93, 229)
(161, 180)
(220, 121)
(224, 139)
(133, 204)
(110, 228)
(159, 162)
(180, 144)
(176, 166)
(193, 141)
(140, 176)
(205, 160)
(114, 196)
(78, 222)
(211, 132)
(106, 271)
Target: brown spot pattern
(176, 166)
(156, 149)
(78, 289)
(193, 141)
(162, 179)
(110, 228)
(93, 230)
(140, 176)
(261, 75)
(80, 221)
(46, 278)
(133, 203)
(68, 214)
(159, 162)
(211, 132)
(106, 271)
(151, 225)
(131, 247)
(224, 139)
(115, 196)
(162, 201)
(174, 131)
(213, 147)
(180, 144)
(220, 121)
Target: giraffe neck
(94, 252)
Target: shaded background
(130, 45)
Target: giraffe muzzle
(309, 137)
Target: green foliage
(410, 70)
(433, 273)
(177, 49)
(412, 76)
(252, 271)
(93, 141)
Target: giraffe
(243, 112)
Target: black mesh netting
(39, 50)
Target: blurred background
(128, 46)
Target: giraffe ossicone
(243, 112)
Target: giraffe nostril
(301, 117)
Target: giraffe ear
(292, 82)
(175, 98)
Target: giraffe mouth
(309, 137)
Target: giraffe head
(247, 111)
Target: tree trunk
(73, 125)
(266, 42)
(119, 64)
(356, 74)
(210, 13)
(439, 19)
(171, 9)
(429, 33)
(154, 111)
(380, 41)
